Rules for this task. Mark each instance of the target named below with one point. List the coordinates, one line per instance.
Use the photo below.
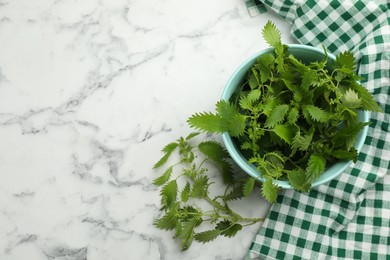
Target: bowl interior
(306, 54)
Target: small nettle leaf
(207, 236)
(339, 75)
(254, 95)
(270, 102)
(298, 180)
(213, 150)
(169, 193)
(265, 64)
(280, 65)
(351, 99)
(234, 194)
(253, 79)
(208, 122)
(168, 221)
(298, 64)
(227, 172)
(226, 110)
(285, 132)
(245, 103)
(317, 114)
(185, 193)
(228, 228)
(187, 232)
(346, 137)
(265, 74)
(266, 60)
(237, 125)
(277, 115)
(269, 191)
(192, 135)
(315, 166)
(163, 178)
(248, 186)
(168, 149)
(246, 146)
(271, 34)
(200, 186)
(293, 115)
(345, 59)
(352, 154)
(308, 78)
(302, 143)
(368, 101)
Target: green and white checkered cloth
(349, 217)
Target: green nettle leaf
(346, 137)
(228, 228)
(236, 125)
(298, 64)
(280, 50)
(270, 103)
(308, 78)
(208, 122)
(227, 172)
(293, 115)
(214, 150)
(169, 193)
(368, 101)
(345, 155)
(200, 186)
(265, 63)
(271, 34)
(207, 236)
(277, 115)
(315, 166)
(254, 95)
(185, 194)
(351, 99)
(163, 178)
(269, 191)
(192, 135)
(299, 180)
(317, 114)
(234, 194)
(226, 110)
(248, 186)
(302, 143)
(245, 103)
(246, 146)
(167, 222)
(345, 59)
(266, 60)
(285, 132)
(187, 233)
(168, 149)
(253, 80)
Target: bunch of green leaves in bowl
(292, 116)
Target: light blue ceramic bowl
(305, 54)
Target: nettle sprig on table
(181, 206)
(290, 119)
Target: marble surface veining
(90, 91)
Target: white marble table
(90, 91)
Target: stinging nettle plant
(290, 119)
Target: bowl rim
(250, 169)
